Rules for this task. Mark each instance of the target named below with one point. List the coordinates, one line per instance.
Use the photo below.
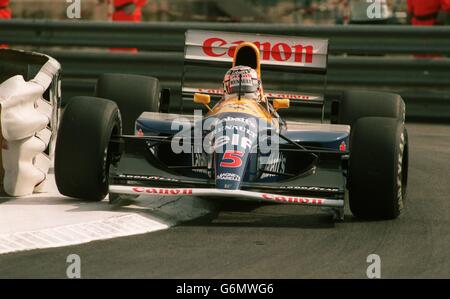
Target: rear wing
(286, 53)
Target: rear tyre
(356, 104)
(82, 158)
(378, 168)
(133, 94)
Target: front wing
(238, 194)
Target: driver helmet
(242, 79)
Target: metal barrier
(170, 36)
(424, 83)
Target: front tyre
(378, 168)
(82, 157)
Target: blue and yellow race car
(123, 142)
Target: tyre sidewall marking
(400, 170)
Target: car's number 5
(233, 159)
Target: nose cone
(235, 137)
(230, 169)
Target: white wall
(24, 118)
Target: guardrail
(424, 83)
(170, 36)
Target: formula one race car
(124, 143)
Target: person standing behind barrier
(127, 11)
(5, 14)
(427, 13)
(446, 9)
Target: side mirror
(281, 103)
(201, 98)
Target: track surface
(270, 241)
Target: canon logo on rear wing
(218, 47)
(283, 51)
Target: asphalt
(275, 241)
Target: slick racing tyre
(356, 104)
(378, 168)
(133, 95)
(82, 154)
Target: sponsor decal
(240, 77)
(162, 191)
(280, 51)
(286, 51)
(146, 177)
(309, 188)
(269, 94)
(252, 122)
(229, 134)
(243, 135)
(216, 135)
(199, 160)
(236, 140)
(276, 162)
(228, 177)
(289, 199)
(205, 90)
(234, 128)
(290, 96)
(232, 159)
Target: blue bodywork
(231, 165)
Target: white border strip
(73, 234)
